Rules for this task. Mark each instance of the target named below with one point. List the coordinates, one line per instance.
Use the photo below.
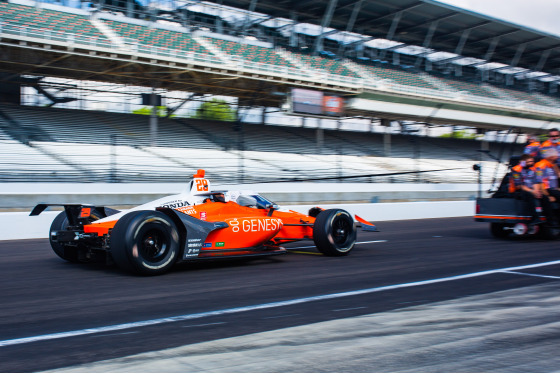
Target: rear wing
(78, 213)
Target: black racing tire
(498, 230)
(145, 242)
(65, 252)
(334, 232)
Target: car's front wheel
(145, 242)
(334, 232)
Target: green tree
(460, 134)
(147, 110)
(215, 109)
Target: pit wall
(24, 196)
(19, 225)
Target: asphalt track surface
(56, 314)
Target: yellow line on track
(306, 253)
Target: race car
(196, 224)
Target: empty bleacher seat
(97, 146)
(59, 23)
(399, 76)
(154, 36)
(250, 52)
(328, 65)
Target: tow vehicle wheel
(65, 252)
(533, 230)
(550, 233)
(334, 233)
(498, 230)
(145, 242)
(520, 229)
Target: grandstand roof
(425, 23)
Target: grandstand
(257, 62)
(91, 146)
(53, 24)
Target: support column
(351, 22)
(392, 30)
(386, 137)
(387, 144)
(153, 119)
(325, 23)
(484, 145)
(130, 8)
(320, 138)
(293, 35)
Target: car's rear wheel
(334, 232)
(145, 242)
(66, 252)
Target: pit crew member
(533, 147)
(551, 142)
(524, 187)
(547, 179)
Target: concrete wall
(19, 225)
(24, 196)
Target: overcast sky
(541, 15)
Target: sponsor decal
(193, 247)
(220, 244)
(86, 212)
(187, 210)
(234, 223)
(192, 252)
(203, 216)
(201, 185)
(207, 245)
(255, 224)
(175, 204)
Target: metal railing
(63, 162)
(55, 35)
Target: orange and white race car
(196, 224)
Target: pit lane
(409, 264)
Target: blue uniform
(523, 176)
(532, 149)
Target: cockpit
(255, 201)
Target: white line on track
(345, 309)
(117, 333)
(312, 246)
(186, 317)
(205, 324)
(282, 316)
(532, 275)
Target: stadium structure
(354, 90)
